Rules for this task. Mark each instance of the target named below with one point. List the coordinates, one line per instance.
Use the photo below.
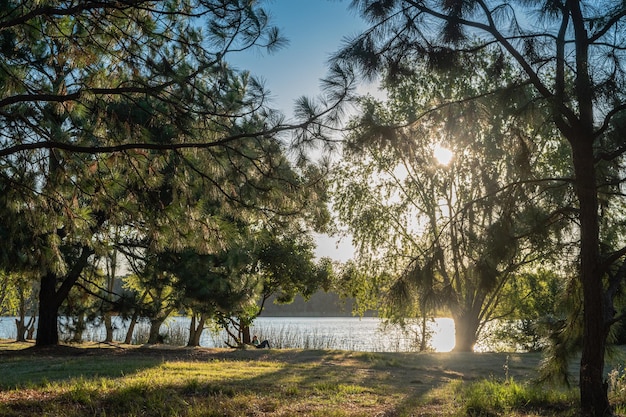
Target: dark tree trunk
(196, 328)
(131, 329)
(47, 331)
(245, 334)
(51, 298)
(155, 328)
(593, 390)
(133, 321)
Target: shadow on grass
(224, 382)
(35, 367)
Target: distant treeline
(321, 304)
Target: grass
(122, 380)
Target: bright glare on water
(345, 333)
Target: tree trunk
(111, 262)
(245, 334)
(47, 331)
(425, 335)
(79, 328)
(133, 321)
(466, 327)
(25, 328)
(131, 329)
(20, 325)
(51, 298)
(155, 326)
(593, 390)
(108, 325)
(30, 329)
(154, 336)
(195, 329)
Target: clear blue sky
(315, 30)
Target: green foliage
(531, 304)
(449, 239)
(126, 129)
(566, 64)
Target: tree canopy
(124, 125)
(449, 234)
(571, 54)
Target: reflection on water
(351, 333)
(344, 333)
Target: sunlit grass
(181, 388)
(277, 383)
(491, 397)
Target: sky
(315, 30)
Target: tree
(213, 285)
(160, 296)
(233, 285)
(447, 235)
(572, 58)
(18, 298)
(284, 267)
(108, 108)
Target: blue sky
(315, 30)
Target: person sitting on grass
(261, 345)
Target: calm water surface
(345, 333)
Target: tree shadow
(280, 382)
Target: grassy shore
(122, 380)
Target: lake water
(345, 333)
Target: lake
(344, 333)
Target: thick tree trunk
(466, 327)
(51, 298)
(47, 331)
(155, 328)
(245, 334)
(21, 330)
(593, 391)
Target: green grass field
(104, 380)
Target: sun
(443, 155)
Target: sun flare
(443, 155)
